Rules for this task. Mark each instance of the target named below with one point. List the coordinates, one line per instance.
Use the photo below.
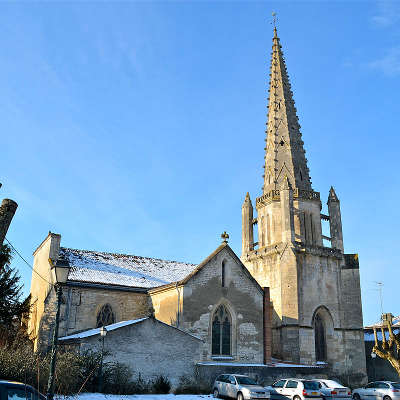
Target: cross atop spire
(284, 153)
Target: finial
(224, 237)
(332, 195)
(274, 19)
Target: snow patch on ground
(99, 396)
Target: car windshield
(332, 384)
(245, 380)
(396, 385)
(311, 385)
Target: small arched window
(320, 338)
(105, 316)
(223, 274)
(221, 332)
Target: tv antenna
(380, 289)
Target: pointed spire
(285, 155)
(332, 195)
(247, 200)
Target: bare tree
(388, 349)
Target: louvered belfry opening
(320, 339)
(221, 332)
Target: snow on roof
(122, 269)
(369, 333)
(96, 331)
(395, 323)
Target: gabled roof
(204, 262)
(122, 269)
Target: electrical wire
(26, 262)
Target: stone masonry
(308, 281)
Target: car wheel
(240, 396)
(296, 398)
(356, 396)
(387, 398)
(216, 394)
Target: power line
(26, 262)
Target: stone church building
(289, 296)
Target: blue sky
(138, 127)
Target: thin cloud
(388, 14)
(389, 64)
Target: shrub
(74, 372)
(192, 385)
(161, 385)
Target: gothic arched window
(221, 332)
(320, 338)
(105, 316)
(223, 274)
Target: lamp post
(59, 272)
(373, 356)
(103, 333)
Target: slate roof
(122, 269)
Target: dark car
(18, 391)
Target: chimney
(267, 331)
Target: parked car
(295, 389)
(239, 387)
(380, 390)
(18, 391)
(331, 390)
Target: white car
(380, 390)
(295, 389)
(239, 387)
(332, 390)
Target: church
(292, 298)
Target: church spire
(285, 155)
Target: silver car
(295, 389)
(239, 387)
(380, 390)
(332, 390)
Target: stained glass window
(221, 332)
(105, 316)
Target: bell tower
(314, 288)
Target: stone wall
(241, 295)
(80, 302)
(41, 287)
(80, 307)
(150, 348)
